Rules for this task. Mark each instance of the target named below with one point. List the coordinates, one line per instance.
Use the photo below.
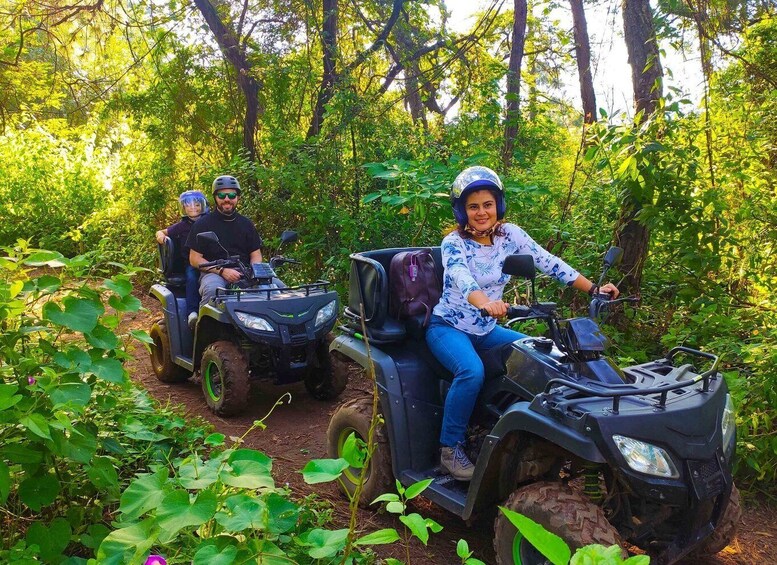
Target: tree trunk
(644, 58)
(646, 76)
(512, 113)
(329, 78)
(583, 56)
(228, 43)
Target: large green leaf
(144, 494)
(248, 469)
(325, 543)
(210, 554)
(73, 394)
(387, 535)
(178, 510)
(51, 540)
(194, 474)
(323, 470)
(120, 285)
(242, 512)
(420, 526)
(125, 304)
(109, 369)
(102, 338)
(281, 515)
(102, 473)
(37, 424)
(39, 491)
(73, 359)
(549, 544)
(81, 444)
(128, 545)
(79, 315)
(8, 398)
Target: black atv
(258, 328)
(561, 434)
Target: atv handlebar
(603, 302)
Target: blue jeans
(192, 289)
(457, 352)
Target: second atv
(258, 329)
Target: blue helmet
(192, 197)
(470, 180)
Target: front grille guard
(616, 392)
(318, 287)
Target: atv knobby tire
(161, 360)
(559, 509)
(225, 381)
(726, 530)
(329, 379)
(355, 416)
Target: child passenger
(193, 205)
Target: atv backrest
(172, 266)
(369, 285)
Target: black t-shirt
(237, 234)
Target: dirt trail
(296, 433)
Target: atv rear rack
(318, 287)
(617, 391)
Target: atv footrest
(444, 489)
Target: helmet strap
(485, 233)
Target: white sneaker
(192, 320)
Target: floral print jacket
(471, 266)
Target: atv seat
(172, 266)
(369, 286)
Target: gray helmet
(226, 181)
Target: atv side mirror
(288, 236)
(613, 257)
(207, 236)
(520, 266)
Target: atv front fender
(493, 481)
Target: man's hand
(160, 236)
(231, 275)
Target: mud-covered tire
(355, 416)
(225, 382)
(559, 509)
(329, 379)
(161, 359)
(727, 528)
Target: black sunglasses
(223, 195)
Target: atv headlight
(325, 314)
(728, 426)
(254, 322)
(646, 458)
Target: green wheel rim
(214, 388)
(524, 553)
(351, 474)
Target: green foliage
(557, 551)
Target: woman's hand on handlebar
(610, 289)
(494, 308)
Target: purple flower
(155, 560)
(30, 380)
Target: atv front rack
(618, 391)
(318, 287)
